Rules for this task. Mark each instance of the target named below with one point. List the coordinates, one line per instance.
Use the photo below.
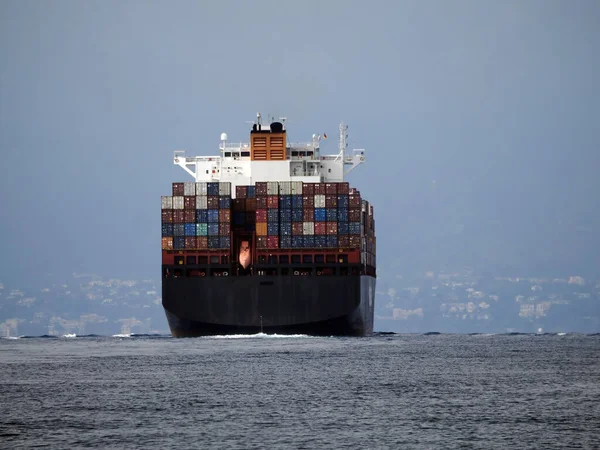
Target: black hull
(318, 306)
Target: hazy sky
(481, 120)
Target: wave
(257, 336)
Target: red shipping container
(202, 242)
(297, 228)
(331, 188)
(308, 214)
(331, 227)
(241, 192)
(343, 241)
(308, 188)
(260, 188)
(250, 204)
(331, 201)
(178, 189)
(167, 243)
(239, 204)
(179, 216)
(167, 216)
(354, 215)
(320, 227)
(261, 202)
(354, 201)
(272, 241)
(213, 202)
(273, 201)
(261, 215)
(190, 242)
(189, 216)
(225, 216)
(354, 241)
(189, 202)
(261, 241)
(308, 201)
(224, 229)
(320, 189)
(343, 188)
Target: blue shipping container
(178, 229)
(320, 215)
(297, 242)
(296, 201)
(331, 215)
(212, 188)
(353, 227)
(273, 228)
(342, 201)
(251, 192)
(285, 242)
(224, 202)
(343, 215)
(225, 242)
(167, 229)
(213, 216)
(320, 241)
(343, 228)
(309, 241)
(273, 215)
(297, 215)
(285, 215)
(190, 229)
(178, 242)
(285, 202)
(213, 229)
(201, 215)
(332, 241)
(214, 242)
(285, 228)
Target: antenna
(343, 136)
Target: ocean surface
(387, 391)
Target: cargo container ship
(268, 238)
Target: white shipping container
(166, 202)
(201, 188)
(272, 188)
(296, 187)
(178, 202)
(201, 202)
(285, 188)
(308, 228)
(189, 188)
(224, 188)
(319, 201)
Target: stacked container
(197, 216)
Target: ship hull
(319, 306)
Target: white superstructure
(269, 157)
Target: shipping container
(285, 241)
(167, 243)
(273, 242)
(308, 189)
(331, 188)
(319, 201)
(213, 229)
(166, 216)
(331, 214)
(167, 229)
(297, 228)
(342, 228)
(201, 188)
(355, 241)
(332, 228)
(308, 201)
(343, 241)
(239, 218)
(285, 188)
(166, 202)
(308, 228)
(342, 201)
(297, 202)
(261, 215)
(212, 188)
(273, 215)
(225, 242)
(261, 241)
(251, 192)
(261, 202)
(178, 229)
(225, 203)
(308, 215)
(354, 215)
(214, 242)
(189, 202)
(225, 189)
(285, 202)
(285, 215)
(202, 242)
(272, 188)
(354, 228)
(332, 241)
(260, 188)
(297, 188)
(285, 228)
(250, 217)
(224, 229)
(331, 201)
(343, 188)
(273, 202)
(202, 229)
(179, 242)
(320, 227)
(178, 202)
(189, 189)
(309, 241)
(342, 214)
(241, 192)
(354, 201)
(179, 216)
(190, 242)
(297, 241)
(213, 215)
(189, 216)
(201, 202)
(225, 216)
(212, 202)
(251, 204)
(261, 228)
(320, 189)
(273, 228)
(320, 241)
(320, 214)
(297, 215)
(178, 190)
(189, 229)
(201, 215)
